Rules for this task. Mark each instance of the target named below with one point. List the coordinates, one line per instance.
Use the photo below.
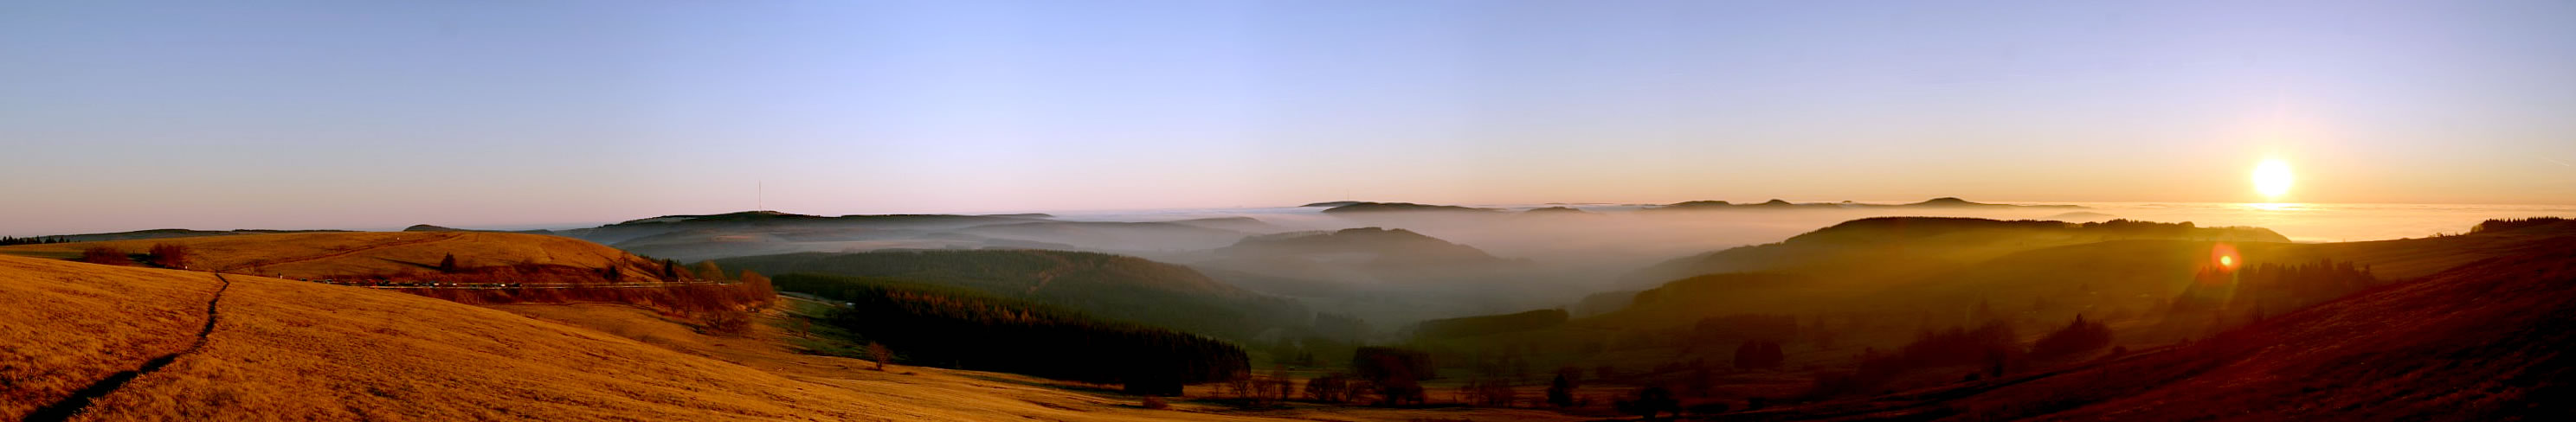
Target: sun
(2272, 179)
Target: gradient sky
(359, 114)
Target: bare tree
(878, 352)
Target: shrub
(1560, 392)
(1330, 388)
(169, 255)
(733, 323)
(105, 255)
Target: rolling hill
(289, 350)
(2486, 338)
(373, 254)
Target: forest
(960, 328)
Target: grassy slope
(62, 328)
(295, 255)
(2483, 341)
(289, 350)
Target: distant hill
(1873, 249)
(773, 220)
(1330, 204)
(1777, 204)
(176, 233)
(1556, 210)
(1111, 236)
(429, 228)
(1119, 287)
(1372, 207)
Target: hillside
(376, 254)
(2485, 340)
(1873, 250)
(289, 350)
(1114, 286)
(778, 221)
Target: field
(291, 350)
(342, 254)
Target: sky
(375, 114)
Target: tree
(1561, 391)
(447, 265)
(877, 352)
(169, 255)
(1330, 388)
(708, 270)
(1649, 402)
(670, 270)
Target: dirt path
(80, 400)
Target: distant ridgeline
(1112, 286)
(938, 325)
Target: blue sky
(129, 115)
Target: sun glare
(2272, 179)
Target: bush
(732, 323)
(168, 255)
(105, 256)
(1330, 388)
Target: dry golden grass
(290, 350)
(64, 325)
(310, 255)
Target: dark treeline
(2502, 224)
(38, 240)
(968, 329)
(1113, 286)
